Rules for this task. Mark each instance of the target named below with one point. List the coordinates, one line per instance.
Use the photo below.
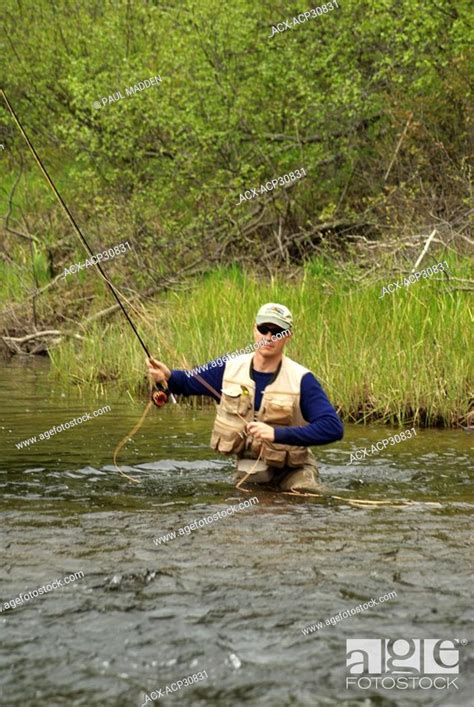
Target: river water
(230, 598)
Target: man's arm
(324, 424)
(181, 383)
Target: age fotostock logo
(402, 663)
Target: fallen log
(40, 341)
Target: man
(271, 409)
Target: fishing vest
(280, 407)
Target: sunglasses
(265, 329)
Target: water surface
(230, 598)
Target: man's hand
(158, 371)
(259, 430)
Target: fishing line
(124, 441)
(365, 503)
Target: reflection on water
(230, 598)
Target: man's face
(271, 347)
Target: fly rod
(159, 396)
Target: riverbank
(398, 358)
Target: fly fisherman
(271, 409)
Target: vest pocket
(275, 454)
(298, 456)
(227, 439)
(281, 455)
(233, 402)
(278, 412)
(228, 434)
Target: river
(230, 598)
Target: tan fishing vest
(280, 407)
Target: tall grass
(405, 358)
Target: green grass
(405, 358)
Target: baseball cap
(278, 314)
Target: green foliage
(403, 358)
(234, 107)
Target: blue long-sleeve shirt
(324, 425)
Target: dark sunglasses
(265, 329)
